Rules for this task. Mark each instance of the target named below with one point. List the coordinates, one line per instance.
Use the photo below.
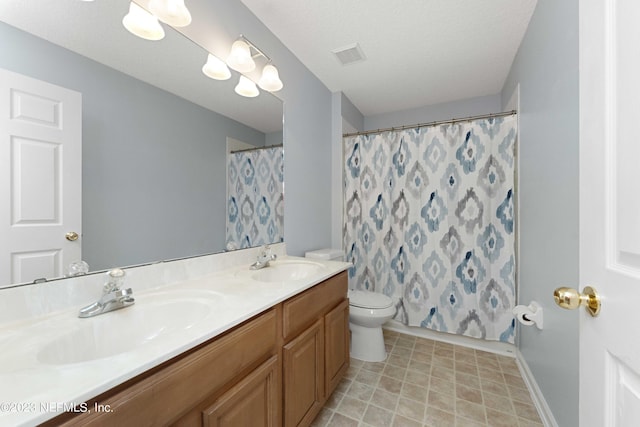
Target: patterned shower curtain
(255, 203)
(429, 221)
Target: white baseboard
(546, 416)
(497, 347)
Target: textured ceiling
(418, 52)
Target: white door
(40, 178)
(610, 211)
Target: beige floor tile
(526, 411)
(465, 422)
(373, 366)
(384, 399)
(498, 403)
(499, 388)
(400, 421)
(411, 409)
(367, 377)
(444, 373)
(414, 392)
(514, 380)
(389, 384)
(339, 420)
(394, 372)
(421, 379)
(360, 391)
(467, 368)
(401, 360)
(520, 394)
(378, 417)
(441, 401)
(428, 383)
(467, 379)
(501, 419)
(352, 408)
(436, 417)
(443, 386)
(417, 356)
(471, 411)
(469, 394)
(528, 423)
(442, 362)
(334, 400)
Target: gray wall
(154, 181)
(307, 126)
(546, 68)
(350, 113)
(449, 110)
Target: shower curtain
(429, 221)
(255, 201)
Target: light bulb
(143, 24)
(172, 12)
(240, 57)
(246, 88)
(216, 69)
(270, 81)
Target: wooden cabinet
(317, 358)
(303, 376)
(275, 369)
(336, 350)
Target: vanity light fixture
(143, 24)
(240, 58)
(270, 80)
(216, 69)
(172, 12)
(246, 87)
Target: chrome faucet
(264, 257)
(113, 297)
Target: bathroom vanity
(275, 365)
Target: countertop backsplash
(22, 303)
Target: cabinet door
(254, 401)
(336, 343)
(304, 376)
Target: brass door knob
(71, 236)
(571, 299)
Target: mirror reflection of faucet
(113, 296)
(264, 257)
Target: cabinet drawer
(164, 396)
(302, 310)
(253, 402)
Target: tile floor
(430, 383)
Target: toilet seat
(371, 300)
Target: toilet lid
(366, 299)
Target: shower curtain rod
(255, 149)
(441, 122)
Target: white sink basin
(124, 330)
(287, 270)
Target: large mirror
(156, 132)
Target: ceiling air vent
(349, 54)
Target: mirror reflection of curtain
(255, 203)
(429, 221)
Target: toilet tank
(326, 254)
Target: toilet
(368, 311)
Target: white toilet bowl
(367, 312)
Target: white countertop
(36, 386)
